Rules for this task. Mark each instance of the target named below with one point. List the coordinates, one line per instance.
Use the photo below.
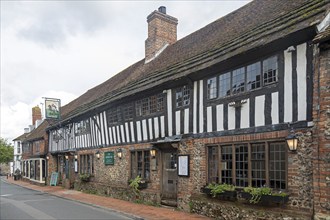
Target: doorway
(170, 178)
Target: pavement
(134, 210)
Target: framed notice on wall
(109, 158)
(183, 165)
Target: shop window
(247, 164)
(182, 96)
(87, 163)
(140, 164)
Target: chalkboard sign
(53, 179)
(109, 158)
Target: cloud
(16, 117)
(60, 49)
(49, 23)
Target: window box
(263, 196)
(138, 183)
(221, 191)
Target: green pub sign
(109, 158)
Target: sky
(60, 49)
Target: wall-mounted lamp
(76, 156)
(47, 157)
(97, 154)
(119, 153)
(292, 141)
(153, 152)
(66, 157)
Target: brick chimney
(36, 114)
(162, 32)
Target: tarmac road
(17, 202)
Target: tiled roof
(322, 36)
(21, 137)
(37, 133)
(253, 25)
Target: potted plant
(85, 177)
(264, 195)
(221, 191)
(138, 183)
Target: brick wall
(321, 146)
(162, 30)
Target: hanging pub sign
(52, 108)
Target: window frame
(182, 96)
(145, 163)
(250, 178)
(86, 164)
(245, 88)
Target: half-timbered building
(213, 107)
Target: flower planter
(266, 199)
(227, 195)
(205, 190)
(143, 185)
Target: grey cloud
(53, 22)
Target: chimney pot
(162, 9)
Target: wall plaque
(109, 158)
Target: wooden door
(170, 176)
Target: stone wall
(300, 175)
(321, 146)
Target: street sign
(53, 179)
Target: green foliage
(258, 192)
(6, 151)
(220, 188)
(84, 177)
(134, 184)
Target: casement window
(238, 81)
(270, 70)
(253, 76)
(212, 88)
(114, 115)
(182, 96)
(246, 78)
(128, 111)
(149, 105)
(37, 146)
(224, 85)
(82, 127)
(18, 147)
(140, 164)
(249, 164)
(87, 163)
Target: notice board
(109, 158)
(53, 179)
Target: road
(17, 202)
